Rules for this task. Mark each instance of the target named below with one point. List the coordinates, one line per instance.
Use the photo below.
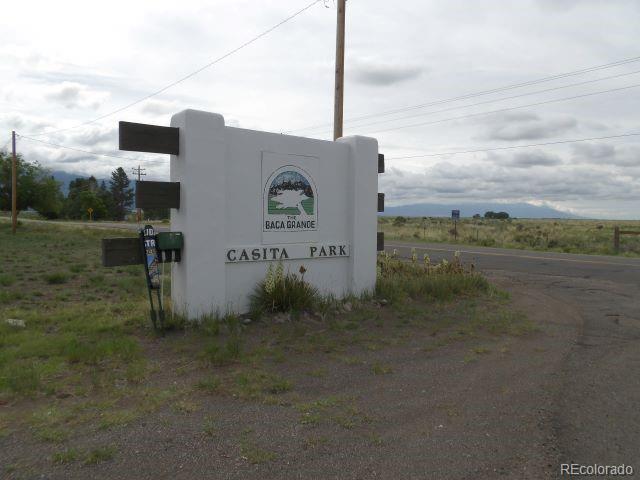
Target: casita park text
(286, 252)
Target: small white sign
(290, 251)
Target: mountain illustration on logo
(290, 193)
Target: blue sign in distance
(455, 214)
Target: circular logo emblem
(290, 201)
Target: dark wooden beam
(380, 241)
(381, 163)
(139, 137)
(157, 194)
(121, 251)
(381, 202)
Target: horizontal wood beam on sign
(380, 241)
(381, 202)
(140, 137)
(157, 194)
(118, 252)
(381, 163)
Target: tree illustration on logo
(290, 193)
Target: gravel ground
(447, 413)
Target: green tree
(75, 207)
(37, 189)
(121, 194)
(91, 199)
(105, 196)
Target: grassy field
(568, 236)
(79, 360)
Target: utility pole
(338, 107)
(140, 172)
(14, 184)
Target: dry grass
(568, 236)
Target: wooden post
(14, 184)
(339, 85)
(616, 239)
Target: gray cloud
(383, 74)
(528, 159)
(528, 127)
(479, 181)
(606, 154)
(74, 95)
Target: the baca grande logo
(290, 201)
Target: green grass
(568, 236)
(99, 455)
(399, 280)
(283, 292)
(65, 456)
(257, 384)
(56, 278)
(254, 454)
(72, 324)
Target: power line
(477, 94)
(558, 142)
(470, 115)
(188, 76)
(433, 112)
(77, 149)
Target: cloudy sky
(67, 62)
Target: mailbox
(170, 245)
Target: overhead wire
(76, 149)
(186, 77)
(546, 90)
(477, 94)
(509, 147)
(506, 109)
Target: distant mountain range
(66, 178)
(519, 210)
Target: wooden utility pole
(140, 172)
(14, 184)
(338, 106)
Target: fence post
(616, 239)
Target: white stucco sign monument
(249, 198)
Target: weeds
(66, 456)
(100, 454)
(569, 236)
(56, 278)
(398, 279)
(282, 292)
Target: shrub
(398, 279)
(56, 278)
(280, 292)
(399, 221)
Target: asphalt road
(594, 385)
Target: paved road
(595, 387)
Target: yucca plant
(283, 292)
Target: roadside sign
(90, 211)
(154, 282)
(455, 214)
